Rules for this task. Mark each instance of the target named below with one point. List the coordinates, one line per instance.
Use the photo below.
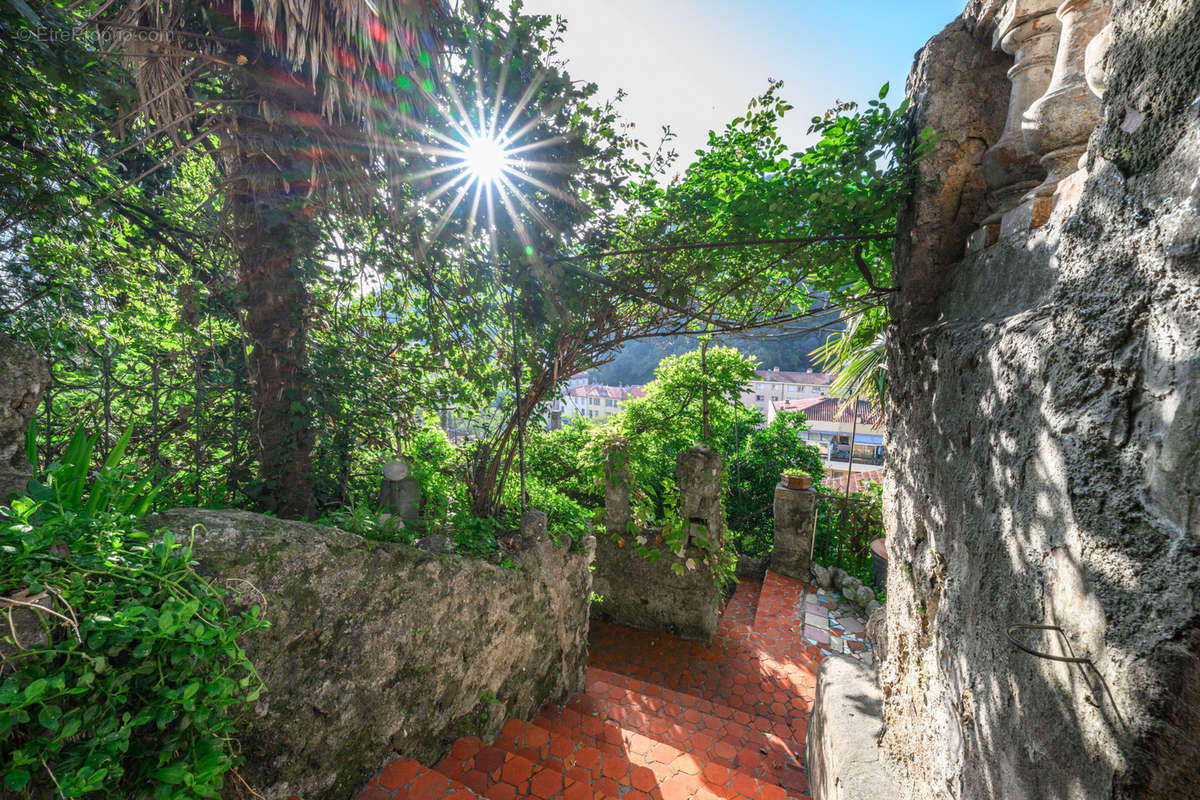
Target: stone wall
(644, 583)
(375, 647)
(1044, 435)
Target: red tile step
(610, 721)
(768, 749)
(500, 774)
(740, 673)
(405, 779)
(622, 764)
(780, 605)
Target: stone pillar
(795, 525)
(399, 492)
(616, 494)
(1058, 124)
(698, 470)
(1029, 33)
(534, 532)
(23, 378)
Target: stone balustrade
(1057, 78)
(1029, 33)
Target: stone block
(842, 751)
(795, 526)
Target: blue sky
(694, 64)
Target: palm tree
(294, 100)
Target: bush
(129, 691)
(566, 519)
(754, 468)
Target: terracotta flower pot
(797, 481)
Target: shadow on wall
(1046, 445)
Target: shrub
(129, 691)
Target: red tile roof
(784, 376)
(826, 409)
(615, 392)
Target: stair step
(780, 604)
(731, 671)
(611, 720)
(405, 779)
(499, 774)
(618, 763)
(675, 713)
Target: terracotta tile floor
(662, 717)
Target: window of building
(758, 398)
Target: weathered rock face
(1044, 442)
(375, 646)
(23, 378)
(667, 591)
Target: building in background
(781, 386)
(837, 432)
(561, 407)
(598, 402)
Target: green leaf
(883, 90)
(172, 773)
(17, 779)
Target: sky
(695, 64)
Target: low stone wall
(842, 753)
(375, 647)
(673, 592)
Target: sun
(485, 158)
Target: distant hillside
(637, 360)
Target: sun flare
(485, 158)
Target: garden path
(663, 718)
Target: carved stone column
(1058, 124)
(1028, 32)
(1097, 49)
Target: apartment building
(598, 402)
(782, 386)
(837, 432)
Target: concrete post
(399, 492)
(795, 527)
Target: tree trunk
(275, 237)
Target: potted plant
(797, 479)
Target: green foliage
(654, 429)
(566, 520)
(436, 464)
(129, 690)
(559, 458)
(846, 526)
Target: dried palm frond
(326, 77)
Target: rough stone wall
(375, 647)
(642, 582)
(1044, 444)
